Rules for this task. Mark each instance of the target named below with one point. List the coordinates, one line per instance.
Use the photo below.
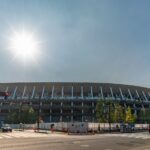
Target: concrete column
(130, 94)
(82, 115)
(81, 91)
(144, 96)
(61, 115)
(82, 104)
(20, 106)
(92, 104)
(24, 90)
(82, 112)
(33, 91)
(71, 104)
(40, 103)
(53, 91)
(43, 90)
(93, 111)
(40, 107)
(71, 118)
(72, 92)
(60, 119)
(82, 118)
(137, 93)
(71, 115)
(91, 91)
(9, 106)
(50, 118)
(121, 93)
(102, 95)
(14, 94)
(93, 119)
(135, 112)
(7, 89)
(62, 92)
(111, 91)
(71, 112)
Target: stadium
(65, 102)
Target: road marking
(20, 135)
(128, 135)
(76, 142)
(6, 136)
(84, 145)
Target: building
(69, 101)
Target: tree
(105, 111)
(129, 118)
(144, 115)
(26, 114)
(100, 112)
(111, 111)
(119, 115)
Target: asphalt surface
(42, 141)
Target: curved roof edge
(104, 83)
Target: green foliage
(112, 111)
(105, 111)
(144, 115)
(100, 113)
(24, 114)
(130, 118)
(119, 113)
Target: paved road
(40, 141)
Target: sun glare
(24, 45)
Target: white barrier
(63, 126)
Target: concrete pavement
(26, 140)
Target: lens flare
(24, 45)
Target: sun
(24, 45)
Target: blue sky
(81, 40)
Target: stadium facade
(69, 101)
